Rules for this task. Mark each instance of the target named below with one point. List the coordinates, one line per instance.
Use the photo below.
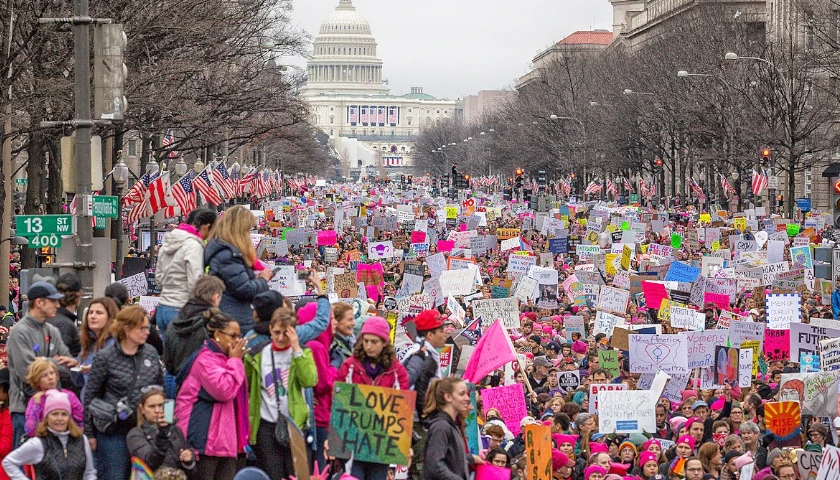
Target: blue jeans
(19, 428)
(164, 316)
(112, 459)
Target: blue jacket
(835, 302)
(241, 285)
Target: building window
(438, 112)
(332, 119)
(353, 132)
(808, 183)
(409, 120)
(331, 132)
(132, 148)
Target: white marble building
(351, 101)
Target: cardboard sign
(538, 463)
(608, 360)
(806, 338)
(630, 411)
(808, 463)
(137, 285)
(815, 392)
(651, 353)
(784, 419)
(613, 300)
(596, 388)
(506, 310)
(509, 400)
(830, 463)
(373, 424)
(782, 310)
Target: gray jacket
(180, 264)
(28, 339)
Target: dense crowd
(240, 364)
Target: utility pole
(83, 123)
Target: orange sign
(784, 419)
(538, 452)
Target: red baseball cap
(428, 320)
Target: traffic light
(109, 71)
(519, 173)
(766, 154)
(780, 199)
(657, 164)
(542, 181)
(466, 181)
(835, 201)
(507, 194)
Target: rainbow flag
(139, 470)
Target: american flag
(137, 193)
(234, 179)
(278, 183)
(202, 184)
(266, 183)
(759, 181)
(567, 188)
(184, 194)
(245, 181)
(726, 185)
(157, 192)
(137, 211)
(221, 177)
(593, 188)
(612, 188)
(628, 186)
(695, 188)
(168, 141)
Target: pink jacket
(352, 371)
(214, 392)
(320, 346)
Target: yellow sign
(610, 260)
(626, 253)
(740, 223)
(451, 212)
(716, 245)
(506, 233)
(755, 346)
(705, 218)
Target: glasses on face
(151, 388)
(789, 476)
(235, 336)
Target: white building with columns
(351, 102)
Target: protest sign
(740, 332)
(726, 366)
(457, 312)
(457, 282)
(346, 286)
(149, 304)
(815, 392)
(568, 380)
(509, 400)
(809, 363)
(654, 294)
(137, 285)
(650, 353)
(436, 264)
(506, 310)
(701, 346)
(526, 289)
(830, 356)
(782, 310)
(808, 463)
(608, 360)
(605, 322)
(573, 324)
(777, 344)
(380, 250)
(806, 338)
(613, 300)
(538, 458)
(372, 424)
(830, 464)
(745, 367)
(687, 318)
(629, 411)
(597, 388)
(680, 272)
(490, 472)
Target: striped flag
(593, 188)
(628, 186)
(759, 182)
(221, 177)
(168, 142)
(245, 181)
(157, 192)
(137, 192)
(184, 193)
(726, 185)
(612, 188)
(202, 185)
(234, 179)
(695, 188)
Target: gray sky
(453, 48)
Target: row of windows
(428, 110)
(346, 51)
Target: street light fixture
(198, 166)
(181, 167)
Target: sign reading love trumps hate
(373, 424)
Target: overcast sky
(453, 48)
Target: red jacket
(6, 438)
(352, 371)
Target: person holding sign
(447, 404)
(374, 362)
(277, 376)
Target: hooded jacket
(185, 335)
(180, 264)
(28, 339)
(320, 347)
(241, 285)
(446, 452)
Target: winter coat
(81, 379)
(353, 371)
(116, 375)
(28, 339)
(320, 346)
(180, 264)
(422, 369)
(835, 303)
(158, 446)
(212, 404)
(446, 453)
(58, 456)
(6, 437)
(65, 321)
(241, 285)
(185, 335)
(302, 374)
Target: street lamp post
(120, 177)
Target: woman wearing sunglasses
(212, 404)
(119, 372)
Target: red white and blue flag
(157, 192)
(593, 188)
(726, 185)
(695, 188)
(184, 193)
(245, 181)
(221, 177)
(168, 142)
(628, 186)
(759, 182)
(202, 185)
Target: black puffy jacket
(241, 285)
(185, 335)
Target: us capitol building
(372, 130)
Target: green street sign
(47, 240)
(21, 181)
(32, 225)
(100, 222)
(105, 206)
(634, 197)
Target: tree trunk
(35, 173)
(55, 187)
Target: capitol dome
(345, 20)
(344, 57)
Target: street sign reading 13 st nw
(33, 225)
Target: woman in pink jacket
(374, 362)
(323, 390)
(212, 405)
